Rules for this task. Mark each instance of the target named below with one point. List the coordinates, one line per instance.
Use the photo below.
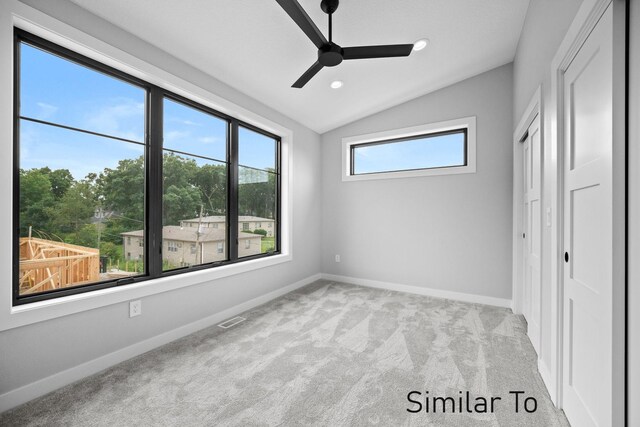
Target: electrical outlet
(337, 258)
(135, 308)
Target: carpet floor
(329, 354)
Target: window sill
(50, 309)
(454, 170)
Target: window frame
(153, 153)
(467, 125)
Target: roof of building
(222, 218)
(175, 232)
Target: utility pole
(199, 251)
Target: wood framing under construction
(47, 265)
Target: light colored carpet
(329, 354)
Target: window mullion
(153, 246)
(278, 207)
(233, 185)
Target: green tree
(178, 171)
(122, 189)
(180, 203)
(61, 180)
(181, 198)
(257, 193)
(110, 250)
(85, 235)
(36, 199)
(74, 210)
(211, 180)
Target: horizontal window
(434, 149)
(110, 166)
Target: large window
(434, 149)
(119, 181)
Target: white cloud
(208, 139)
(188, 122)
(175, 135)
(114, 118)
(46, 111)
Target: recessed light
(336, 84)
(420, 44)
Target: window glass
(53, 89)
(194, 184)
(80, 194)
(257, 191)
(85, 137)
(189, 130)
(256, 150)
(437, 150)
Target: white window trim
(16, 14)
(466, 122)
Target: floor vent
(232, 322)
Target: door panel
(526, 292)
(532, 225)
(587, 337)
(586, 238)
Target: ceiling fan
(329, 53)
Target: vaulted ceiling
(253, 46)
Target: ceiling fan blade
(312, 71)
(300, 17)
(383, 51)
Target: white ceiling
(253, 46)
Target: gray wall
(545, 26)
(34, 352)
(633, 286)
(450, 232)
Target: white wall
(37, 351)
(442, 232)
(545, 26)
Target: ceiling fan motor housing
(329, 6)
(330, 55)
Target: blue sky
(62, 92)
(438, 151)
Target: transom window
(434, 149)
(155, 165)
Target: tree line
(59, 207)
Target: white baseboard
(41, 387)
(547, 379)
(437, 293)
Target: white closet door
(533, 234)
(587, 338)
